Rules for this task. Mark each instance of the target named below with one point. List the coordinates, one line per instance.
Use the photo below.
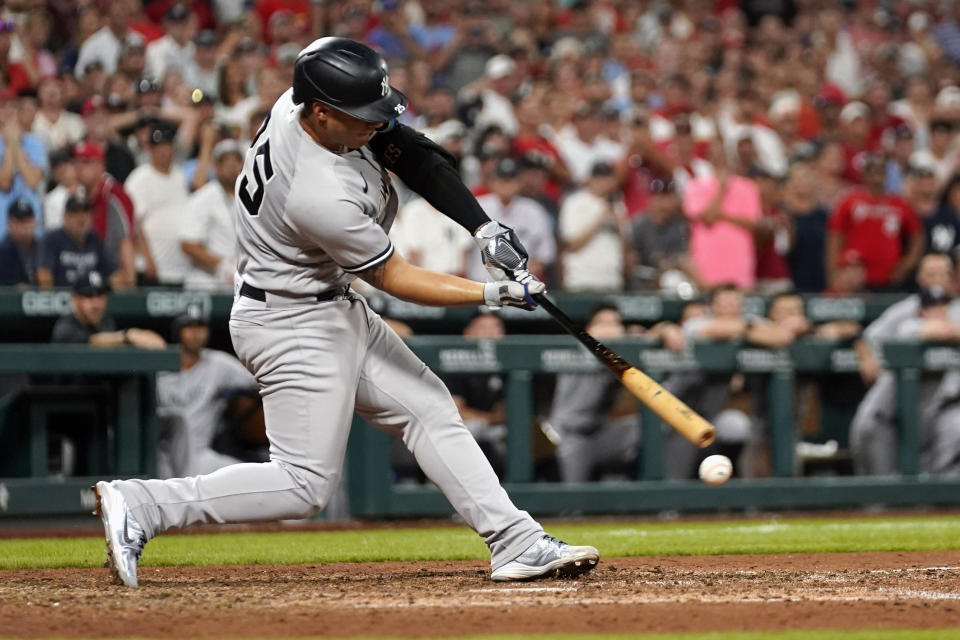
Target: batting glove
(503, 254)
(508, 293)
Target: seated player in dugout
(315, 205)
(209, 410)
(593, 416)
(88, 322)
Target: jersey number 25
(252, 201)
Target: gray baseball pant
(317, 363)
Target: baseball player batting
(314, 205)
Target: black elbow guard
(431, 171)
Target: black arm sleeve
(429, 170)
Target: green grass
(459, 543)
(907, 634)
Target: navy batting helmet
(194, 315)
(347, 76)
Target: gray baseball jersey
(190, 406)
(307, 221)
(309, 218)
(873, 437)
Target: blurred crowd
(794, 145)
(692, 146)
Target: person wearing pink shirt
(723, 211)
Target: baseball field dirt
(916, 590)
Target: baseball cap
(854, 110)
(830, 94)
(177, 13)
(922, 163)
(507, 168)
(206, 38)
(934, 296)
(132, 42)
(77, 202)
(20, 209)
(499, 66)
(91, 283)
(88, 150)
(229, 145)
(162, 132)
(849, 257)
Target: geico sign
(45, 303)
(171, 303)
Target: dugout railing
(520, 358)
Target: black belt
(252, 292)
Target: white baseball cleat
(548, 557)
(125, 537)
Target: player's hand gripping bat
(666, 405)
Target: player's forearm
(403, 280)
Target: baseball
(715, 470)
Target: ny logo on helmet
(385, 85)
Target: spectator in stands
(661, 238)
(850, 276)
(18, 251)
(723, 210)
(118, 159)
(878, 226)
(23, 157)
(830, 167)
(872, 432)
(393, 36)
(582, 143)
(525, 216)
(63, 174)
(771, 236)
(13, 75)
(112, 208)
(159, 193)
(206, 62)
(944, 152)
(103, 47)
(191, 402)
(943, 229)
(899, 144)
(920, 187)
(89, 323)
(596, 421)
(175, 50)
(807, 221)
(207, 235)
(592, 233)
(68, 253)
(56, 126)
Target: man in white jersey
(315, 203)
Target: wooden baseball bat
(675, 413)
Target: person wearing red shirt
(112, 208)
(530, 142)
(882, 228)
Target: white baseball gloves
(506, 260)
(508, 293)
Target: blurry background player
(873, 439)
(192, 402)
(595, 419)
